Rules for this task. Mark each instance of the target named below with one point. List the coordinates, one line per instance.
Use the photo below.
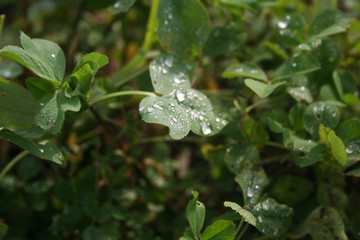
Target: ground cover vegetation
(169, 119)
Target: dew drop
(265, 205)
(41, 150)
(42, 104)
(282, 24)
(294, 64)
(260, 219)
(157, 106)
(174, 119)
(150, 109)
(205, 128)
(117, 5)
(180, 96)
(7, 73)
(169, 61)
(53, 55)
(253, 71)
(250, 192)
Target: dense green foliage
(179, 119)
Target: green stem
(239, 226)
(275, 49)
(2, 20)
(242, 232)
(140, 57)
(12, 163)
(119, 94)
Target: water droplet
(294, 64)
(260, 219)
(253, 71)
(257, 187)
(157, 106)
(201, 117)
(170, 16)
(164, 70)
(141, 108)
(6, 73)
(177, 80)
(265, 205)
(180, 96)
(53, 55)
(41, 150)
(117, 5)
(217, 120)
(174, 119)
(166, 22)
(42, 104)
(205, 128)
(282, 24)
(250, 192)
(287, 17)
(316, 43)
(169, 61)
(150, 109)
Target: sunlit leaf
(219, 230)
(335, 144)
(247, 215)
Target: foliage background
(125, 179)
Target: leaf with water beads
(49, 151)
(240, 157)
(320, 113)
(166, 111)
(168, 73)
(272, 218)
(50, 110)
(199, 110)
(298, 65)
(290, 30)
(252, 184)
(121, 6)
(183, 27)
(43, 57)
(307, 152)
(246, 70)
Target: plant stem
(12, 163)
(140, 57)
(242, 232)
(119, 94)
(239, 226)
(2, 20)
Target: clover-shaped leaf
(327, 23)
(50, 110)
(168, 73)
(166, 111)
(43, 57)
(290, 30)
(320, 113)
(248, 70)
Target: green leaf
(240, 157)
(50, 110)
(252, 184)
(262, 89)
(290, 30)
(49, 151)
(195, 212)
(349, 129)
(327, 224)
(299, 89)
(17, 106)
(167, 112)
(338, 84)
(291, 190)
(100, 59)
(307, 152)
(320, 113)
(353, 149)
(39, 87)
(10, 69)
(272, 218)
(298, 65)
(203, 120)
(81, 80)
(187, 235)
(295, 117)
(335, 144)
(327, 23)
(43, 57)
(354, 172)
(219, 230)
(247, 215)
(183, 27)
(168, 73)
(224, 40)
(121, 6)
(277, 120)
(249, 70)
